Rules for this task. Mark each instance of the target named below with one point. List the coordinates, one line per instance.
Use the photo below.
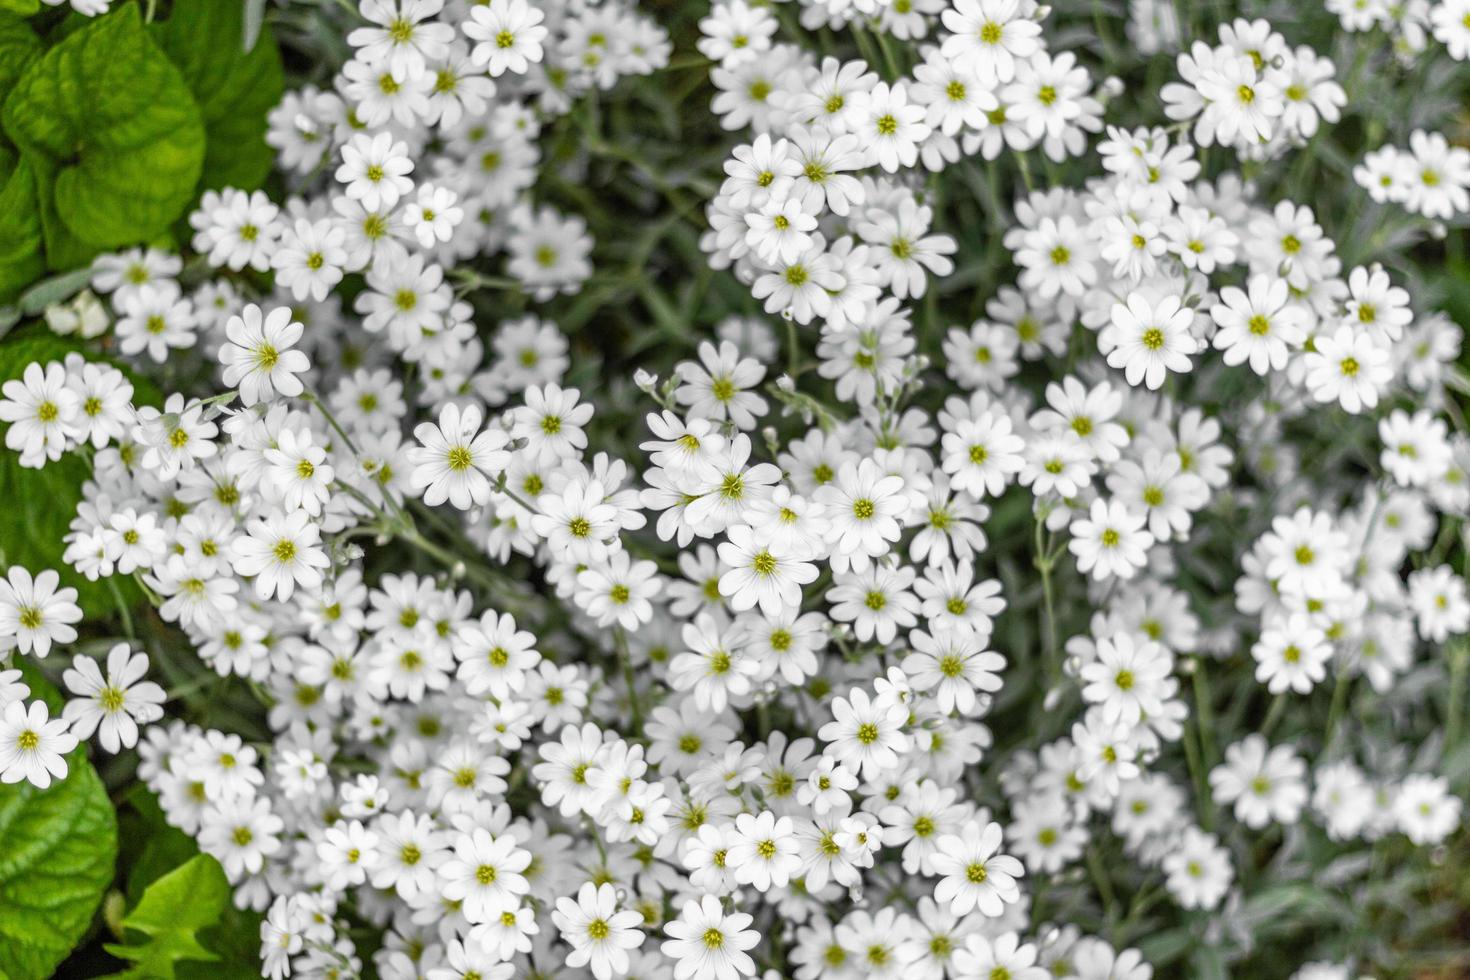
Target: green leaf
(112, 117)
(21, 260)
(235, 84)
(171, 913)
(57, 289)
(23, 7)
(57, 848)
(18, 44)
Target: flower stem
(123, 612)
(1455, 711)
(635, 708)
(1273, 714)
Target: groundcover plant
(836, 489)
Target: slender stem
(1273, 714)
(1025, 166)
(1044, 562)
(1340, 688)
(123, 612)
(635, 709)
(331, 419)
(1204, 713)
(503, 487)
(1103, 882)
(1205, 803)
(1459, 668)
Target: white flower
(719, 387)
(455, 459)
(374, 170)
(763, 852)
(764, 570)
(405, 38)
(599, 934)
(706, 943)
(40, 408)
(510, 35)
(1259, 327)
(34, 613)
(990, 36)
(113, 707)
(1198, 869)
(866, 733)
(1110, 540)
(31, 746)
(485, 875)
(258, 358)
(1425, 810)
(1349, 367)
(1148, 340)
(280, 552)
(1263, 786)
(973, 874)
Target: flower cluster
(848, 638)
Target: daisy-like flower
(1148, 340)
(404, 37)
(258, 358)
(764, 850)
(433, 214)
(40, 408)
(990, 36)
(375, 170)
(706, 943)
(455, 459)
(113, 706)
(1110, 540)
(34, 613)
(719, 387)
(1198, 869)
(764, 570)
(892, 126)
(778, 230)
(32, 745)
(1259, 327)
(310, 259)
(954, 664)
(863, 507)
(281, 551)
(866, 732)
(712, 666)
(485, 874)
(1264, 783)
(104, 403)
(1350, 367)
(578, 523)
(155, 320)
(176, 438)
(600, 935)
(973, 874)
(551, 421)
(1291, 654)
(982, 455)
(509, 33)
(619, 591)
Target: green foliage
(112, 131)
(234, 88)
(173, 910)
(40, 504)
(57, 850)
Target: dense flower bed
(827, 489)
